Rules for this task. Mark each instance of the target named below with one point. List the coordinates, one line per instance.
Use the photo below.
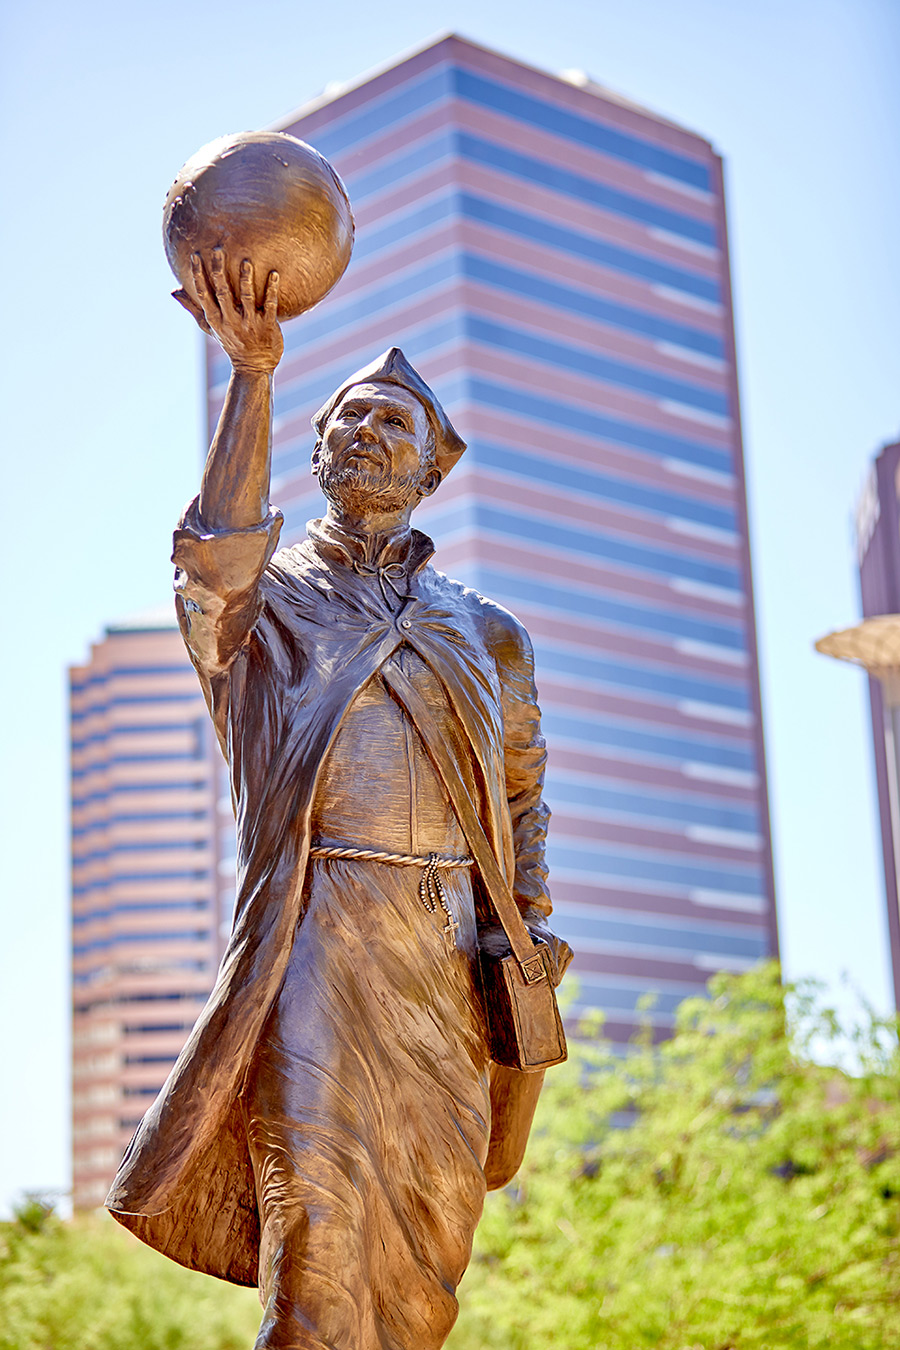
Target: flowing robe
(284, 648)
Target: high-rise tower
(148, 894)
(874, 645)
(554, 260)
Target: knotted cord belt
(431, 892)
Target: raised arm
(234, 493)
(227, 536)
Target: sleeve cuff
(223, 561)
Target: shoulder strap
(501, 898)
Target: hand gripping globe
(265, 196)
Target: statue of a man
(331, 1126)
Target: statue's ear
(431, 482)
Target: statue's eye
(396, 421)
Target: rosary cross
(450, 929)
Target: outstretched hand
(249, 334)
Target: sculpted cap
(393, 368)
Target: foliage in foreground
(755, 1201)
(753, 1204)
(89, 1285)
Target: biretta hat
(393, 368)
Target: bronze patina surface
(334, 1120)
(271, 196)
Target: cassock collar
(409, 548)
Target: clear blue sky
(103, 101)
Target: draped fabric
(285, 648)
(367, 1116)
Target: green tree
(753, 1203)
(89, 1285)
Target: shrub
(753, 1203)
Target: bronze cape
(284, 646)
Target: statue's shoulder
(503, 632)
(291, 583)
(458, 597)
(290, 566)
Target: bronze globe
(269, 197)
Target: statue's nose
(365, 428)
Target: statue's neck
(372, 532)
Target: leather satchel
(525, 1030)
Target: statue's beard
(363, 488)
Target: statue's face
(375, 450)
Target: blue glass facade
(556, 265)
(555, 262)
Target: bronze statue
(335, 1118)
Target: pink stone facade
(146, 901)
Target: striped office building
(149, 897)
(554, 260)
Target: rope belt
(395, 859)
(431, 892)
